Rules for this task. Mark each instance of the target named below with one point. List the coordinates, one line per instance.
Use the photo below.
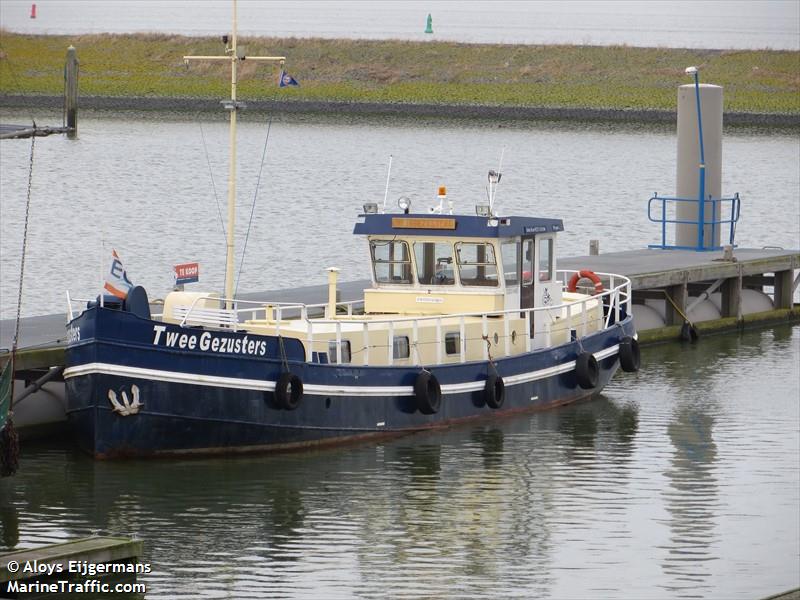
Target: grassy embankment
(760, 81)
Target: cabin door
(548, 288)
(511, 252)
(527, 297)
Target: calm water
(144, 185)
(682, 481)
(699, 24)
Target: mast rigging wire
(253, 207)
(211, 176)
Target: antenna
(388, 174)
(494, 180)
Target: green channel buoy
(429, 26)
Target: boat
(467, 317)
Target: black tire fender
(629, 355)
(288, 391)
(494, 392)
(428, 393)
(587, 370)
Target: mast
(234, 57)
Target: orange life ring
(572, 286)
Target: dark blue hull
(220, 398)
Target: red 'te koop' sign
(187, 273)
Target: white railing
(200, 313)
(617, 295)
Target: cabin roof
(460, 226)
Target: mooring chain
(24, 245)
(9, 439)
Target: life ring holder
(572, 286)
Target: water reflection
(490, 441)
(691, 500)
(9, 519)
(640, 492)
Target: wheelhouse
(423, 265)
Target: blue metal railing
(716, 204)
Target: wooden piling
(71, 92)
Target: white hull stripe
(313, 389)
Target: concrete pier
(677, 272)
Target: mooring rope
(284, 359)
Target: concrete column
(784, 281)
(679, 294)
(731, 302)
(688, 179)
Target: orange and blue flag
(117, 281)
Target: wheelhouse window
(510, 255)
(391, 261)
(476, 264)
(434, 263)
(546, 259)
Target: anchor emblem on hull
(125, 408)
